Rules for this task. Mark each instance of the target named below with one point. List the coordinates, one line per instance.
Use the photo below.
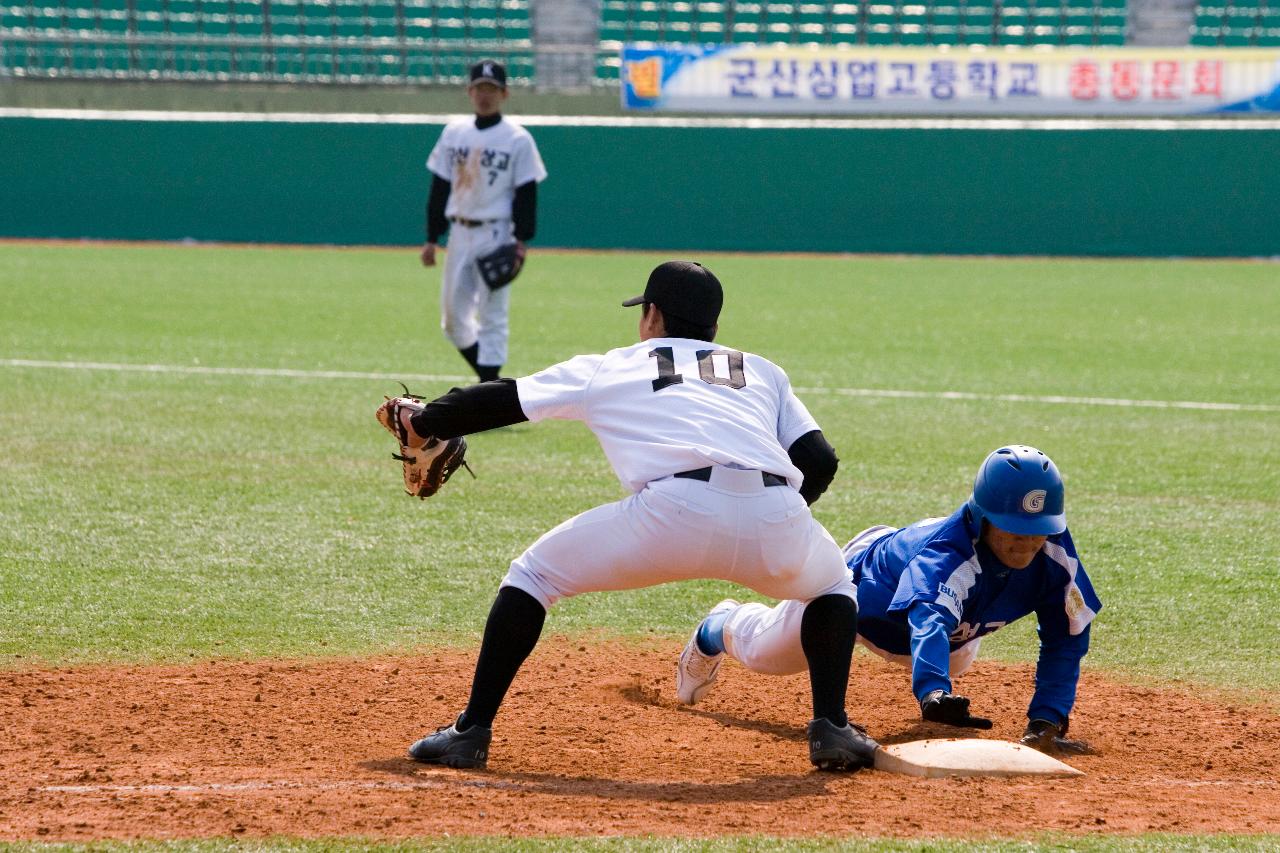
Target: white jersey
(484, 166)
(668, 405)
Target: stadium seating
(873, 22)
(1240, 23)
(398, 41)
(393, 41)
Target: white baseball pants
(731, 528)
(767, 639)
(469, 310)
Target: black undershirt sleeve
(476, 408)
(817, 460)
(437, 199)
(524, 211)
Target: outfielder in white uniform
(485, 174)
(721, 460)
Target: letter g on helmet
(1019, 490)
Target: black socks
(486, 372)
(511, 632)
(827, 632)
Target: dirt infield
(591, 742)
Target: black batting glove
(943, 707)
(1048, 738)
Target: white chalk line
(497, 784)
(290, 373)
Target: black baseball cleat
(840, 748)
(463, 750)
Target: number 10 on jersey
(708, 360)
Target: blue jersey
(928, 589)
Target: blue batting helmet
(1019, 490)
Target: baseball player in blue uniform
(928, 593)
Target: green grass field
(176, 514)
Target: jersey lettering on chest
(715, 367)
(491, 161)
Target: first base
(968, 757)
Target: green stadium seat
(944, 16)
(977, 16)
(1206, 37)
(614, 12)
(1241, 20)
(1207, 19)
(812, 13)
(915, 14)
(482, 29)
(912, 35)
(1269, 37)
(709, 32)
(880, 34)
(153, 23)
(709, 12)
(1012, 15)
(1110, 37)
(745, 33)
(606, 67)
(680, 17)
(1073, 36)
(13, 17)
(945, 34)
(975, 34)
(844, 33)
(450, 29)
(882, 13)
(680, 32)
(514, 31)
(647, 12)
(1079, 17)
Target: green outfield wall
(967, 190)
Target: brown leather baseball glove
(428, 461)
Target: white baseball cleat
(696, 672)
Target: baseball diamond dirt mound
(590, 742)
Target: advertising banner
(844, 79)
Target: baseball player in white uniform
(721, 460)
(485, 174)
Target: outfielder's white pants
(767, 639)
(469, 311)
(731, 528)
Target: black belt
(470, 223)
(704, 474)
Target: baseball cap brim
(494, 80)
(633, 301)
(1040, 525)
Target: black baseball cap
(489, 71)
(683, 289)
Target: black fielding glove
(1048, 738)
(943, 707)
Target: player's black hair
(678, 328)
